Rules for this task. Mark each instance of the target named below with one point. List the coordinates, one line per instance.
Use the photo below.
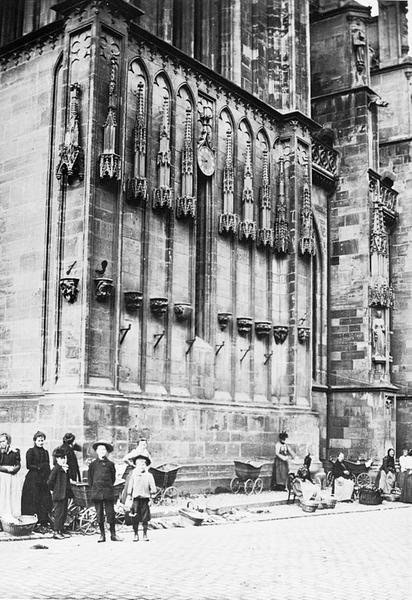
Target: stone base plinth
(203, 437)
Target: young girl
(140, 488)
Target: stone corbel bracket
(263, 328)
(103, 288)
(183, 311)
(133, 300)
(223, 319)
(280, 333)
(69, 288)
(303, 334)
(158, 306)
(244, 325)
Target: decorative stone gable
(71, 153)
(110, 162)
(281, 226)
(163, 194)
(137, 186)
(307, 240)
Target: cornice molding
(350, 90)
(114, 6)
(405, 65)
(367, 387)
(34, 43)
(355, 10)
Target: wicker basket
(25, 525)
(308, 506)
(369, 496)
(393, 497)
(82, 493)
(190, 518)
(329, 503)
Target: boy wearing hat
(141, 487)
(59, 484)
(101, 477)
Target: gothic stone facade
(185, 255)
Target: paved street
(360, 556)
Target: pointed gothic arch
(318, 305)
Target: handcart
(81, 514)
(358, 471)
(247, 477)
(164, 476)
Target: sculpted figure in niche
(359, 46)
(379, 335)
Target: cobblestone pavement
(344, 556)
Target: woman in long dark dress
(36, 497)
(342, 483)
(386, 477)
(280, 470)
(406, 492)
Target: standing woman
(9, 484)
(403, 461)
(280, 470)
(36, 498)
(406, 491)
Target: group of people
(343, 485)
(35, 497)
(47, 489)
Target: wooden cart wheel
(73, 512)
(88, 521)
(249, 486)
(363, 479)
(171, 494)
(119, 514)
(158, 497)
(235, 485)
(329, 479)
(353, 477)
(258, 486)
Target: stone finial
(281, 225)
(110, 162)
(137, 185)
(307, 239)
(163, 194)
(186, 203)
(71, 154)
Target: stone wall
(361, 425)
(260, 46)
(395, 158)
(203, 393)
(392, 80)
(403, 424)
(27, 129)
(358, 420)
